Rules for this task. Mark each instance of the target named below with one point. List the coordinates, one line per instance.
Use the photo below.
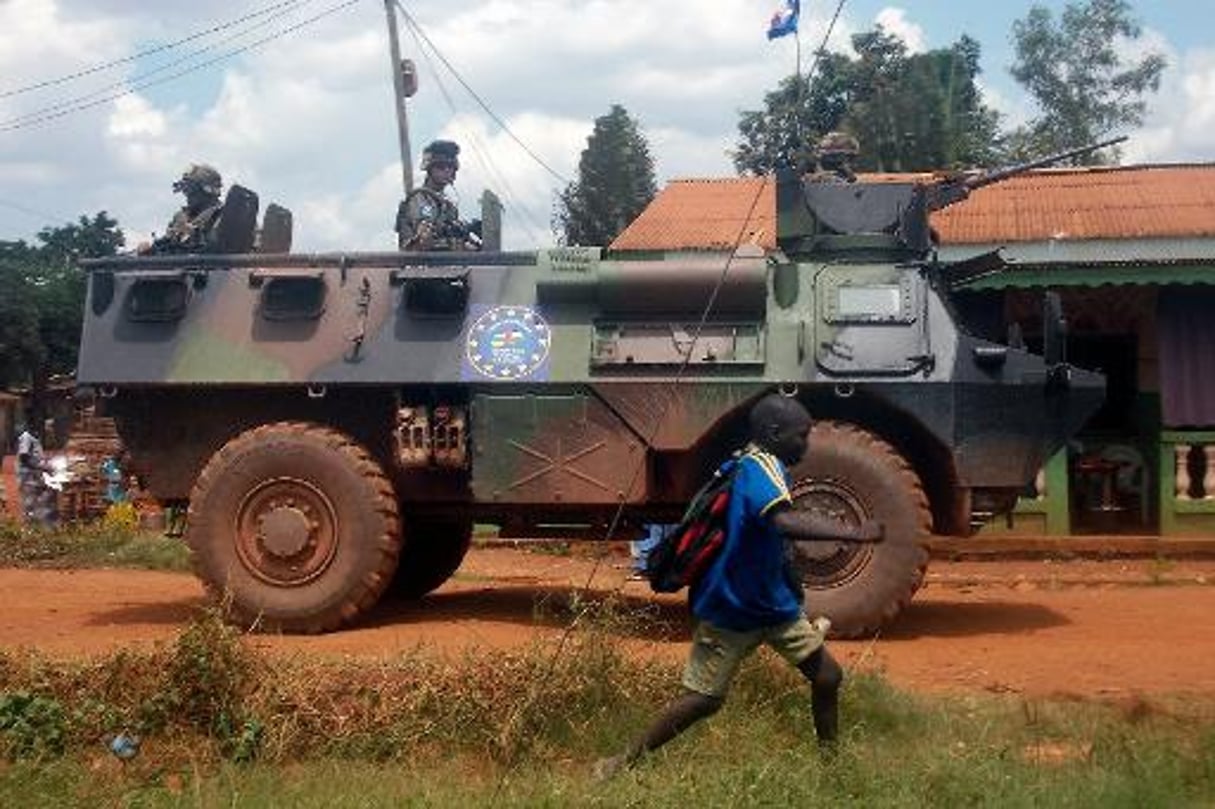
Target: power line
(32, 212)
(40, 113)
(818, 55)
(484, 106)
(23, 124)
(149, 52)
(482, 154)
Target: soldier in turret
(836, 153)
(193, 229)
(426, 218)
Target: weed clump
(209, 679)
(112, 541)
(31, 726)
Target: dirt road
(1104, 629)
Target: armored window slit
(433, 291)
(299, 297)
(158, 299)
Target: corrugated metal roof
(1049, 206)
(705, 215)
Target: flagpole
(797, 113)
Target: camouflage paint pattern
(595, 419)
(589, 382)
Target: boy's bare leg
(825, 676)
(677, 717)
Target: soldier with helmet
(193, 228)
(426, 218)
(836, 153)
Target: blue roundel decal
(508, 342)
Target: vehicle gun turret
(881, 219)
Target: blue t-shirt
(745, 588)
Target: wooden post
(399, 94)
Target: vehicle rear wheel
(850, 474)
(295, 526)
(433, 549)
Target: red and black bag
(685, 552)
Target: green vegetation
(221, 724)
(1089, 73)
(42, 298)
(615, 182)
(911, 112)
(106, 543)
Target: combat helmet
(839, 143)
(200, 176)
(441, 152)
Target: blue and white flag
(784, 21)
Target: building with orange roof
(1132, 252)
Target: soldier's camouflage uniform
(190, 234)
(428, 220)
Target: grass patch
(83, 545)
(221, 724)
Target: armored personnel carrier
(338, 422)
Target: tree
(911, 112)
(42, 298)
(615, 182)
(1081, 74)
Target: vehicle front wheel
(295, 527)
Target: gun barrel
(1001, 174)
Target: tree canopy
(615, 182)
(911, 112)
(1086, 81)
(42, 298)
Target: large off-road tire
(851, 475)
(432, 551)
(295, 527)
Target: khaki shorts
(717, 653)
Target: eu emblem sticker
(509, 343)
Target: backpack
(685, 553)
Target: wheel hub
(824, 565)
(286, 531)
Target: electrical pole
(403, 86)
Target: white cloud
(1015, 111)
(1180, 121)
(894, 21)
(133, 116)
(307, 121)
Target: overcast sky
(303, 114)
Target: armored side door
(871, 320)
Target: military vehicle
(338, 422)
